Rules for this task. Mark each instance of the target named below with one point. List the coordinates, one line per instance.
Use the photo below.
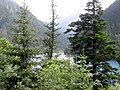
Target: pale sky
(42, 10)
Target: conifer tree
(23, 39)
(50, 42)
(88, 34)
(7, 70)
(62, 75)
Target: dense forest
(30, 60)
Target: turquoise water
(115, 64)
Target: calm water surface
(115, 64)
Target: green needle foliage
(7, 70)
(23, 39)
(118, 50)
(62, 75)
(112, 87)
(50, 42)
(88, 34)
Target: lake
(115, 64)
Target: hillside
(112, 15)
(8, 12)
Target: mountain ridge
(112, 16)
(8, 12)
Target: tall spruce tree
(88, 34)
(50, 42)
(23, 39)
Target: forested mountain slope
(112, 15)
(8, 12)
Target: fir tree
(88, 34)
(50, 42)
(7, 70)
(62, 75)
(23, 39)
